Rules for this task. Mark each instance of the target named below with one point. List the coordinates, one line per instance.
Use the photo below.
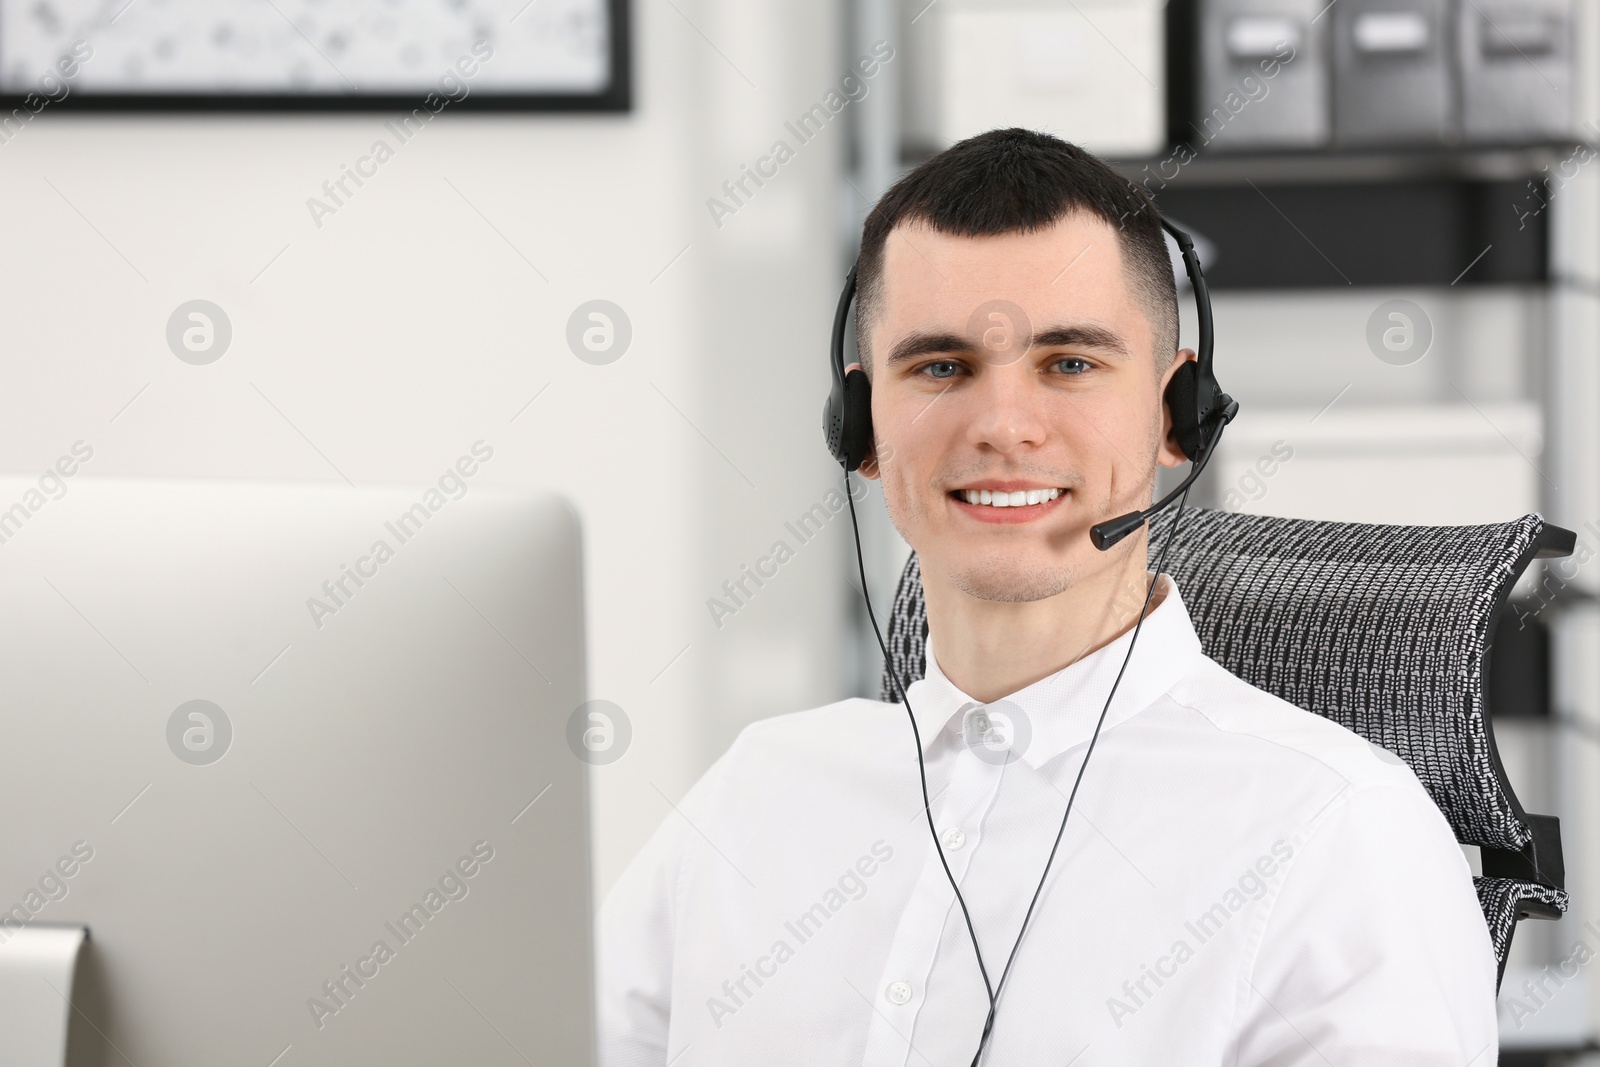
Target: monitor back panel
(303, 751)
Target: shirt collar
(1060, 711)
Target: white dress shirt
(1240, 883)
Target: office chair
(1383, 629)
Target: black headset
(1200, 411)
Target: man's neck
(990, 649)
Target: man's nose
(1010, 411)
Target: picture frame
(39, 84)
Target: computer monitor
(304, 752)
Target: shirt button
(898, 992)
(981, 723)
(954, 838)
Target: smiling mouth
(1021, 498)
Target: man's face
(1021, 362)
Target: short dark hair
(1016, 180)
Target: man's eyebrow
(920, 344)
(1083, 336)
(1079, 336)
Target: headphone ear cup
(1183, 401)
(856, 439)
(833, 425)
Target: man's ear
(869, 464)
(1170, 455)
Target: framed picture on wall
(314, 55)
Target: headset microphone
(1105, 534)
(1200, 411)
(1199, 407)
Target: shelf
(1485, 163)
(1510, 164)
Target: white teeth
(1020, 498)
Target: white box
(1090, 71)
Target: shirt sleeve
(633, 958)
(1376, 952)
(636, 939)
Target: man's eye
(942, 368)
(1072, 365)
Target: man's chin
(1012, 581)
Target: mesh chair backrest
(1384, 629)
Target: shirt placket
(901, 991)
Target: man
(1240, 882)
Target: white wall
(433, 305)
